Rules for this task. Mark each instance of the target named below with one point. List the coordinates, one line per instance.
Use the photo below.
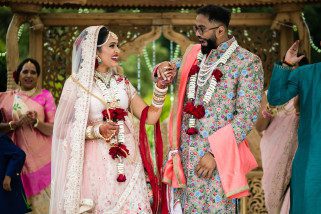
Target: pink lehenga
(278, 146)
(83, 173)
(36, 171)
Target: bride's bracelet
(89, 133)
(159, 96)
(92, 132)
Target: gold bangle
(89, 133)
(36, 123)
(10, 125)
(272, 110)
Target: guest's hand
(206, 166)
(6, 183)
(32, 115)
(291, 55)
(24, 120)
(109, 130)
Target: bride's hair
(102, 37)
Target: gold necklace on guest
(29, 93)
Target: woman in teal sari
(304, 81)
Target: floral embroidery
(228, 105)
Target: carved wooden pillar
(21, 13)
(180, 39)
(36, 42)
(137, 46)
(288, 14)
(12, 48)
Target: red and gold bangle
(287, 63)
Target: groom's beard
(211, 44)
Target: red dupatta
(158, 188)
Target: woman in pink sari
(29, 115)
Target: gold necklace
(29, 93)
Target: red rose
(189, 107)
(217, 74)
(191, 131)
(119, 150)
(199, 111)
(117, 114)
(113, 151)
(123, 150)
(105, 115)
(194, 69)
(121, 178)
(119, 79)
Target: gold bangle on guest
(36, 123)
(272, 110)
(10, 125)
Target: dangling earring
(99, 60)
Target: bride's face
(109, 53)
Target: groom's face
(205, 31)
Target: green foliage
(5, 17)
(312, 17)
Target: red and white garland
(118, 149)
(199, 73)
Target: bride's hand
(166, 73)
(109, 130)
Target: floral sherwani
(236, 101)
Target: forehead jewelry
(112, 34)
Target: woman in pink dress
(29, 114)
(278, 145)
(97, 164)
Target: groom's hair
(215, 13)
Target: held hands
(30, 118)
(166, 73)
(206, 166)
(6, 183)
(109, 130)
(291, 55)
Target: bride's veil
(70, 125)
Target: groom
(218, 99)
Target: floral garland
(198, 111)
(118, 149)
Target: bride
(97, 166)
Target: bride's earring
(99, 60)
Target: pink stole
(233, 160)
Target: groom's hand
(166, 73)
(206, 166)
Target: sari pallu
(36, 170)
